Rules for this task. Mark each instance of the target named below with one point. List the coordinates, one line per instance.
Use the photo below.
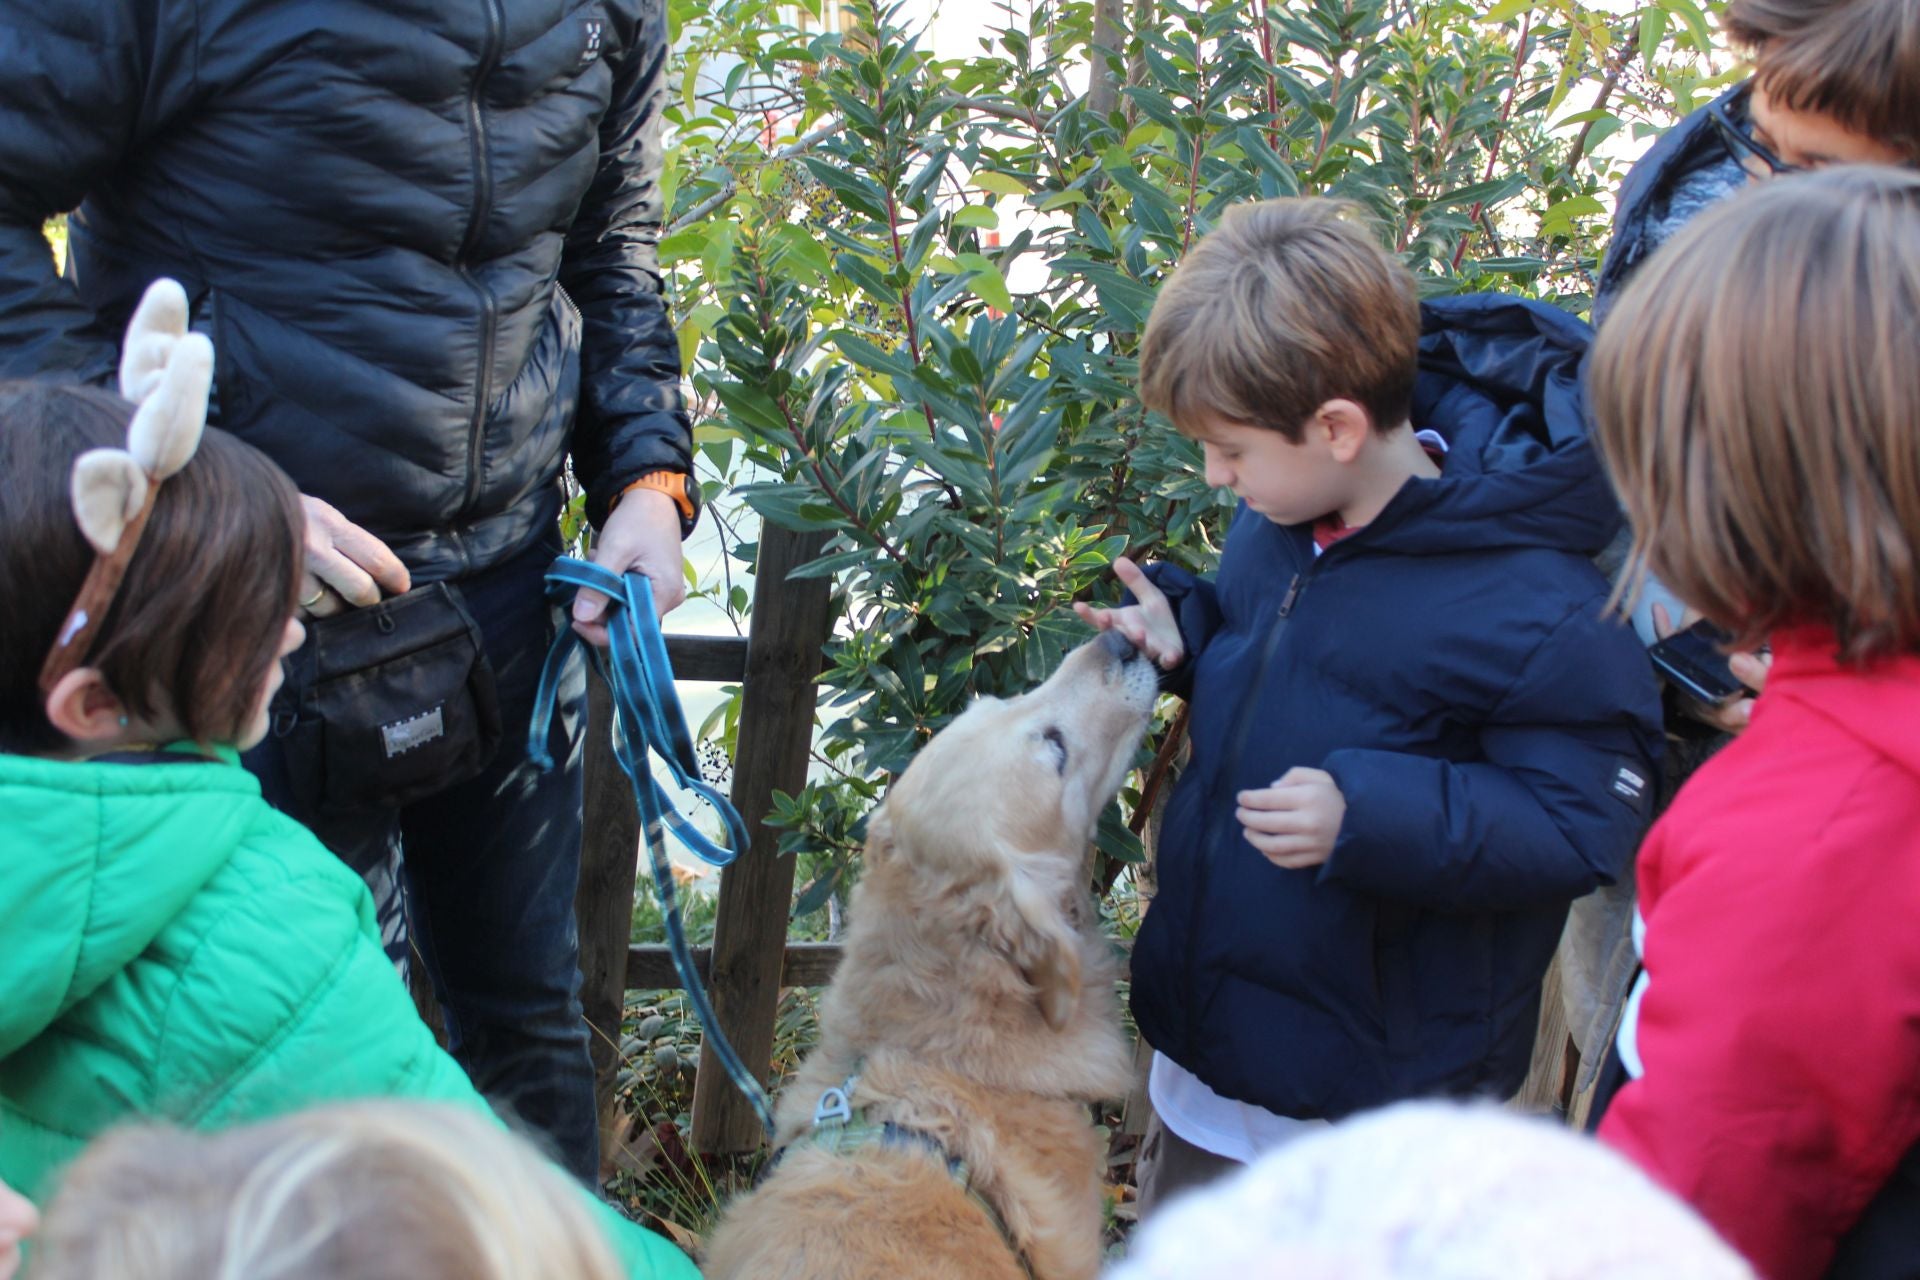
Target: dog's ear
(1040, 938)
(879, 836)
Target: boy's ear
(1345, 425)
(83, 708)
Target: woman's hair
(1757, 399)
(198, 619)
(383, 1190)
(1857, 61)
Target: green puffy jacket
(172, 947)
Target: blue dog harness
(841, 1128)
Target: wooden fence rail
(802, 964)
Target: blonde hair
(1426, 1190)
(1857, 61)
(1757, 400)
(1283, 306)
(362, 1191)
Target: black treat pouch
(387, 705)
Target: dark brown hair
(1856, 61)
(1283, 306)
(1757, 400)
(198, 620)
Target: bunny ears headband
(168, 373)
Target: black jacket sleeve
(80, 86)
(631, 418)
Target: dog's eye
(1055, 739)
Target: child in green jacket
(170, 946)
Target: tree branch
(1103, 79)
(1499, 133)
(1631, 47)
(728, 191)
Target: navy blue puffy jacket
(379, 211)
(1688, 170)
(1493, 730)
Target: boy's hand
(1149, 625)
(1294, 822)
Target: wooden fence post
(603, 904)
(791, 622)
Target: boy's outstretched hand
(1294, 822)
(1149, 624)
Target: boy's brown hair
(1757, 400)
(199, 618)
(1283, 306)
(1857, 61)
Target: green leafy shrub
(912, 303)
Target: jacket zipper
(476, 220)
(1230, 764)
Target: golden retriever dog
(973, 1010)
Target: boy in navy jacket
(1418, 732)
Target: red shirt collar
(1330, 528)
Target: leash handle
(648, 722)
(646, 704)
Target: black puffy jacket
(421, 234)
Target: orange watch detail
(672, 483)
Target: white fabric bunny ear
(166, 428)
(109, 488)
(158, 323)
(168, 372)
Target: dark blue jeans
(489, 868)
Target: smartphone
(1695, 659)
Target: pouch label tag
(403, 736)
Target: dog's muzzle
(1118, 646)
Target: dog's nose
(1118, 646)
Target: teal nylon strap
(648, 722)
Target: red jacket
(1779, 1031)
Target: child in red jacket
(1758, 402)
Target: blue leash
(647, 718)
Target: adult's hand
(347, 567)
(1750, 669)
(641, 534)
